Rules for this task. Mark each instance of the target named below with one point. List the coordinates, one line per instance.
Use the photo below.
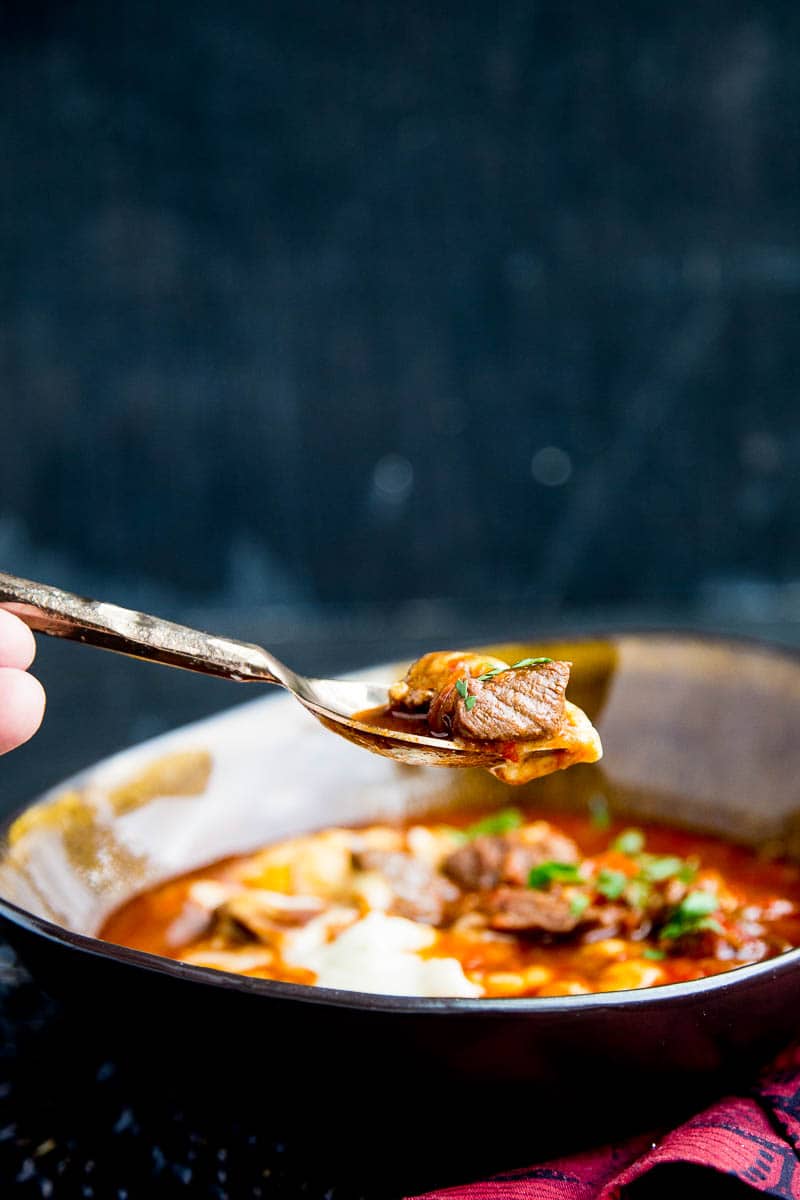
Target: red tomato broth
(147, 921)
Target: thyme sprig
(523, 662)
(462, 685)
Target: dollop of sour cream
(381, 954)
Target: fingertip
(22, 705)
(17, 643)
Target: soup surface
(503, 902)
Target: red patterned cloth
(755, 1139)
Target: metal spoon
(332, 701)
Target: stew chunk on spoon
(521, 708)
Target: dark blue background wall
(362, 302)
(352, 326)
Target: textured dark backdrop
(359, 329)
(362, 308)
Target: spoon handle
(62, 614)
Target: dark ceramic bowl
(699, 732)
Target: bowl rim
(672, 994)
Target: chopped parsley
(611, 884)
(654, 953)
(699, 904)
(553, 872)
(668, 866)
(638, 893)
(500, 822)
(692, 915)
(461, 688)
(630, 842)
(469, 703)
(578, 904)
(653, 869)
(598, 811)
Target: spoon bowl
(336, 703)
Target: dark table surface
(72, 1121)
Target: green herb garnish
(469, 703)
(630, 842)
(654, 953)
(677, 929)
(500, 822)
(523, 662)
(692, 915)
(598, 811)
(699, 904)
(461, 688)
(553, 872)
(638, 893)
(657, 869)
(578, 904)
(611, 884)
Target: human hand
(22, 697)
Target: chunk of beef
(487, 861)
(528, 910)
(434, 671)
(477, 866)
(420, 893)
(733, 941)
(522, 704)
(525, 910)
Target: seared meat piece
(485, 862)
(420, 893)
(434, 671)
(731, 945)
(522, 704)
(477, 866)
(528, 910)
(521, 707)
(576, 741)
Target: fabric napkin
(754, 1138)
